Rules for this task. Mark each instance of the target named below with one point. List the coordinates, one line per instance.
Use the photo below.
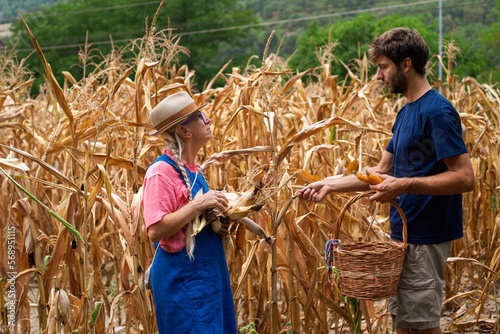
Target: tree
(491, 38)
(210, 31)
(203, 18)
(354, 37)
(477, 57)
(8, 8)
(62, 29)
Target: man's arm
(459, 178)
(317, 191)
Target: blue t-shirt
(426, 131)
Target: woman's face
(200, 128)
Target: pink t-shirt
(164, 192)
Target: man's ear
(405, 65)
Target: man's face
(392, 75)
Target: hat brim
(177, 121)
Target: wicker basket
(369, 270)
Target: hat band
(183, 112)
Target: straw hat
(171, 111)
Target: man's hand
(389, 189)
(315, 192)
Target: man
(425, 169)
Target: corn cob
(362, 178)
(240, 237)
(63, 306)
(239, 207)
(255, 228)
(200, 221)
(374, 179)
(369, 178)
(244, 205)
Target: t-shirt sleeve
(163, 192)
(445, 130)
(390, 147)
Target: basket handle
(366, 194)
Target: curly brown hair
(400, 43)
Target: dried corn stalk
(82, 149)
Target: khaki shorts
(417, 304)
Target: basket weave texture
(370, 270)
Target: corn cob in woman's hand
(240, 205)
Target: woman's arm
(317, 191)
(172, 222)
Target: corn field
(73, 260)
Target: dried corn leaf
(13, 163)
(56, 257)
(59, 93)
(307, 132)
(221, 157)
(46, 166)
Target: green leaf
(45, 260)
(95, 314)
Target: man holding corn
(425, 168)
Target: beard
(398, 82)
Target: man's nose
(379, 75)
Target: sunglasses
(192, 118)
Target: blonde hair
(176, 145)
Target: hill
(233, 31)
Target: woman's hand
(225, 226)
(314, 192)
(211, 200)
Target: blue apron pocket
(206, 305)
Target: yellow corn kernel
(373, 179)
(369, 178)
(240, 236)
(362, 178)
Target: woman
(189, 276)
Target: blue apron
(193, 296)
